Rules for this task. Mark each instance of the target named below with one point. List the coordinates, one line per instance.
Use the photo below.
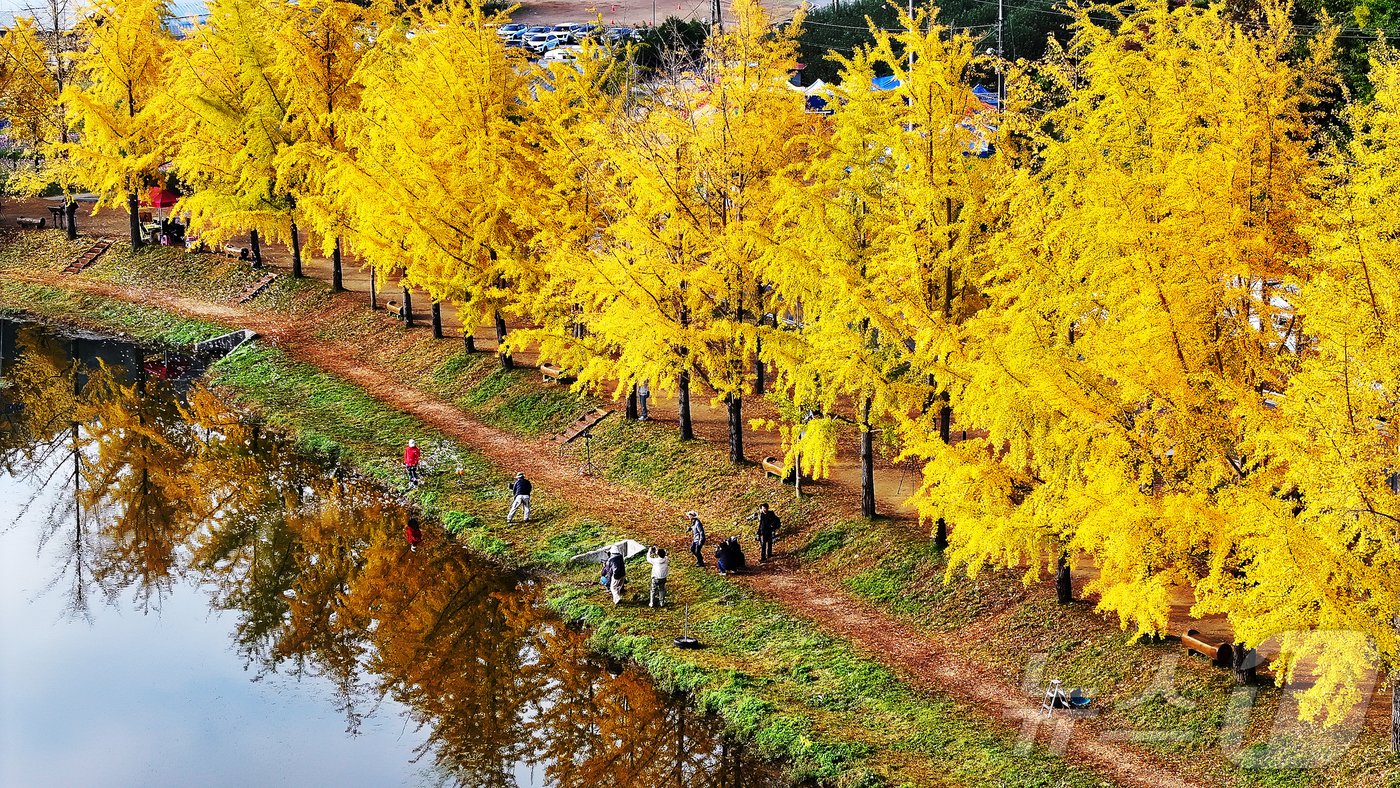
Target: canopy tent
(815, 93)
(630, 548)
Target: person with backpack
(616, 573)
(767, 530)
(520, 489)
(697, 537)
(660, 568)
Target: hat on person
(519, 474)
(691, 514)
(410, 442)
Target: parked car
(519, 38)
(567, 28)
(620, 35)
(511, 30)
(565, 53)
(542, 42)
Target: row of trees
(1164, 305)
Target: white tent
(630, 548)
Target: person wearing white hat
(410, 462)
(520, 488)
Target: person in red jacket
(410, 462)
(413, 534)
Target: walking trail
(918, 658)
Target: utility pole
(1001, 59)
(715, 14)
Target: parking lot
(632, 12)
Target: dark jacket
(616, 568)
(520, 486)
(767, 525)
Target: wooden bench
(553, 374)
(1221, 654)
(772, 466)
(30, 223)
(237, 252)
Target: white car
(567, 53)
(543, 42)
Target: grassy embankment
(779, 682)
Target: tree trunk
(257, 248)
(468, 338)
(867, 463)
(506, 362)
(71, 211)
(133, 208)
(296, 250)
(1064, 586)
(758, 370)
(373, 290)
(632, 411)
(1245, 662)
(683, 406)
(735, 405)
(337, 280)
(407, 307)
(940, 534)
(437, 320)
(1395, 718)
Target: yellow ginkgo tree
(227, 118)
(436, 183)
(317, 49)
(118, 82)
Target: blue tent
(884, 83)
(988, 97)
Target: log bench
(30, 223)
(1220, 654)
(553, 374)
(772, 466)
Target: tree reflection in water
(163, 486)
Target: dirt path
(917, 657)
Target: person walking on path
(697, 537)
(643, 393)
(520, 488)
(617, 575)
(411, 456)
(660, 568)
(413, 534)
(767, 530)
